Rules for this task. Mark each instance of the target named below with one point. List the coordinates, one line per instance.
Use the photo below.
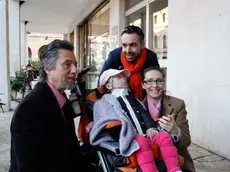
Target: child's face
(118, 81)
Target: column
(4, 55)
(149, 27)
(117, 22)
(14, 35)
(24, 44)
(76, 45)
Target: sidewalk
(205, 161)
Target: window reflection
(131, 3)
(156, 41)
(164, 41)
(138, 18)
(98, 44)
(98, 39)
(160, 27)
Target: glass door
(94, 43)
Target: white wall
(198, 68)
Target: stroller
(106, 157)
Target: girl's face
(153, 84)
(118, 81)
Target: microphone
(83, 72)
(75, 104)
(120, 67)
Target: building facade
(100, 32)
(36, 40)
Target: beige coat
(177, 107)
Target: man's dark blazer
(114, 60)
(40, 139)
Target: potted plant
(36, 65)
(1, 104)
(16, 86)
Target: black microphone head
(120, 67)
(83, 72)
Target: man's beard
(67, 86)
(134, 56)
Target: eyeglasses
(151, 81)
(133, 29)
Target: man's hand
(168, 123)
(151, 132)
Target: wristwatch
(176, 137)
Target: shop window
(131, 3)
(156, 41)
(98, 39)
(164, 41)
(138, 18)
(94, 42)
(159, 11)
(72, 37)
(136, 23)
(164, 17)
(155, 19)
(29, 52)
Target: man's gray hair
(50, 55)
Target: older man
(132, 56)
(43, 137)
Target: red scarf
(135, 77)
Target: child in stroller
(135, 124)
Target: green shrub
(15, 84)
(36, 64)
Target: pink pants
(169, 153)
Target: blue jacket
(114, 60)
(106, 110)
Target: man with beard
(132, 55)
(43, 137)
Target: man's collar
(61, 97)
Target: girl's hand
(151, 132)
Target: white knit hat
(112, 72)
